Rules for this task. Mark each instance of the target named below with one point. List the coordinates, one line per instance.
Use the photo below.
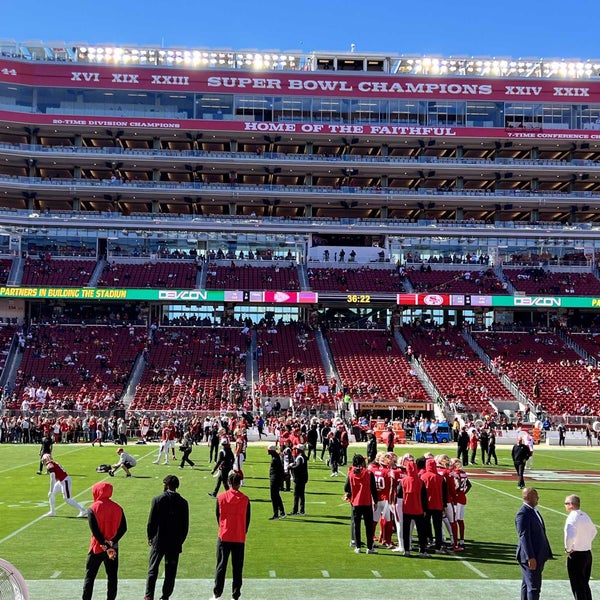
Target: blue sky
(516, 28)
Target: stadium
(200, 232)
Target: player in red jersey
(383, 483)
(239, 453)
(167, 440)
(449, 519)
(463, 485)
(397, 473)
(59, 482)
(145, 428)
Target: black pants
(579, 568)
(311, 450)
(344, 455)
(492, 454)
(434, 517)
(485, 454)
(224, 549)
(91, 570)
(222, 479)
(473, 455)
(299, 487)
(214, 452)
(186, 458)
(171, 561)
(520, 469)
(463, 456)
(276, 500)
(421, 526)
(364, 513)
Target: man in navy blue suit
(533, 549)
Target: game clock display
(358, 298)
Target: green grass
(295, 548)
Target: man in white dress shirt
(580, 532)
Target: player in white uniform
(60, 482)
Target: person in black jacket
(213, 443)
(224, 464)
(463, 446)
(312, 438)
(299, 470)
(492, 448)
(520, 455)
(47, 443)
(275, 481)
(167, 528)
(371, 446)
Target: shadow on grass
(489, 552)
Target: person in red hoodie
(437, 496)
(414, 507)
(233, 516)
(361, 491)
(108, 525)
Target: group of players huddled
(428, 493)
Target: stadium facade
(137, 153)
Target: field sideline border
(308, 589)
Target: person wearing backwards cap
(126, 462)
(299, 470)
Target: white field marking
(553, 510)
(55, 575)
(590, 465)
(474, 569)
(376, 574)
(272, 574)
(429, 574)
(316, 503)
(314, 588)
(325, 574)
(21, 529)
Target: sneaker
(371, 551)
(212, 494)
(407, 553)
(333, 475)
(294, 514)
(174, 458)
(154, 462)
(128, 476)
(181, 468)
(82, 514)
(398, 549)
(166, 462)
(50, 514)
(424, 555)
(282, 516)
(273, 518)
(111, 473)
(356, 550)
(39, 472)
(458, 548)
(302, 513)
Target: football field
(298, 557)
